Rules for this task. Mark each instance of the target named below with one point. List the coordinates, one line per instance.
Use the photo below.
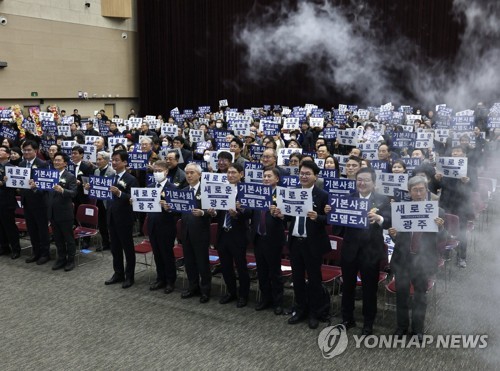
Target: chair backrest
(333, 256)
(87, 215)
(91, 201)
(213, 234)
(145, 227)
(19, 212)
(452, 224)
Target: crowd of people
(174, 162)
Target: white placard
(415, 216)
(452, 167)
(291, 123)
(387, 183)
(64, 130)
(17, 177)
(294, 201)
(218, 196)
(145, 200)
(169, 130)
(196, 136)
(284, 154)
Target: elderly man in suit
(195, 238)
(363, 251)
(414, 261)
(121, 222)
(61, 214)
(308, 243)
(35, 207)
(175, 174)
(103, 169)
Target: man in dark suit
(121, 222)
(9, 235)
(308, 243)
(232, 226)
(362, 252)
(414, 261)
(187, 155)
(103, 169)
(162, 232)
(195, 239)
(268, 236)
(61, 214)
(35, 207)
(175, 175)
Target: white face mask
(206, 158)
(159, 176)
(218, 125)
(293, 137)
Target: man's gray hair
(197, 167)
(105, 155)
(413, 181)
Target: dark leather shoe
(127, 283)
(349, 324)
(42, 260)
(313, 323)
(157, 285)
(32, 259)
(114, 279)
(296, 318)
(367, 330)
(262, 305)
(278, 310)
(69, 266)
(400, 332)
(227, 299)
(169, 288)
(242, 302)
(188, 294)
(60, 264)
(204, 298)
(15, 255)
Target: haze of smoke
(349, 54)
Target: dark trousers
(197, 266)
(369, 271)
(37, 222)
(9, 234)
(268, 259)
(162, 241)
(64, 239)
(307, 297)
(122, 243)
(232, 252)
(103, 224)
(405, 275)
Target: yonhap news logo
(333, 341)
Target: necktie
(227, 220)
(302, 225)
(191, 189)
(158, 185)
(415, 242)
(117, 178)
(28, 164)
(262, 223)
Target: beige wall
(68, 49)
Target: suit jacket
(34, 198)
(119, 208)
(317, 238)
(275, 228)
(426, 260)
(85, 169)
(7, 194)
(178, 178)
(198, 227)
(163, 219)
(370, 240)
(109, 172)
(61, 205)
(239, 226)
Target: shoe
(15, 255)
(42, 260)
(116, 278)
(462, 263)
(69, 266)
(313, 323)
(399, 333)
(188, 294)
(367, 330)
(127, 283)
(32, 259)
(227, 299)
(349, 324)
(98, 249)
(261, 305)
(169, 288)
(278, 310)
(296, 318)
(157, 285)
(60, 264)
(242, 302)
(204, 298)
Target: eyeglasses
(306, 175)
(267, 156)
(365, 181)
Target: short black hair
(237, 141)
(78, 149)
(177, 156)
(368, 170)
(180, 139)
(225, 155)
(63, 155)
(239, 167)
(123, 155)
(31, 143)
(7, 149)
(310, 165)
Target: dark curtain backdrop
(187, 57)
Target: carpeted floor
(72, 321)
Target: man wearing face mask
(162, 232)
